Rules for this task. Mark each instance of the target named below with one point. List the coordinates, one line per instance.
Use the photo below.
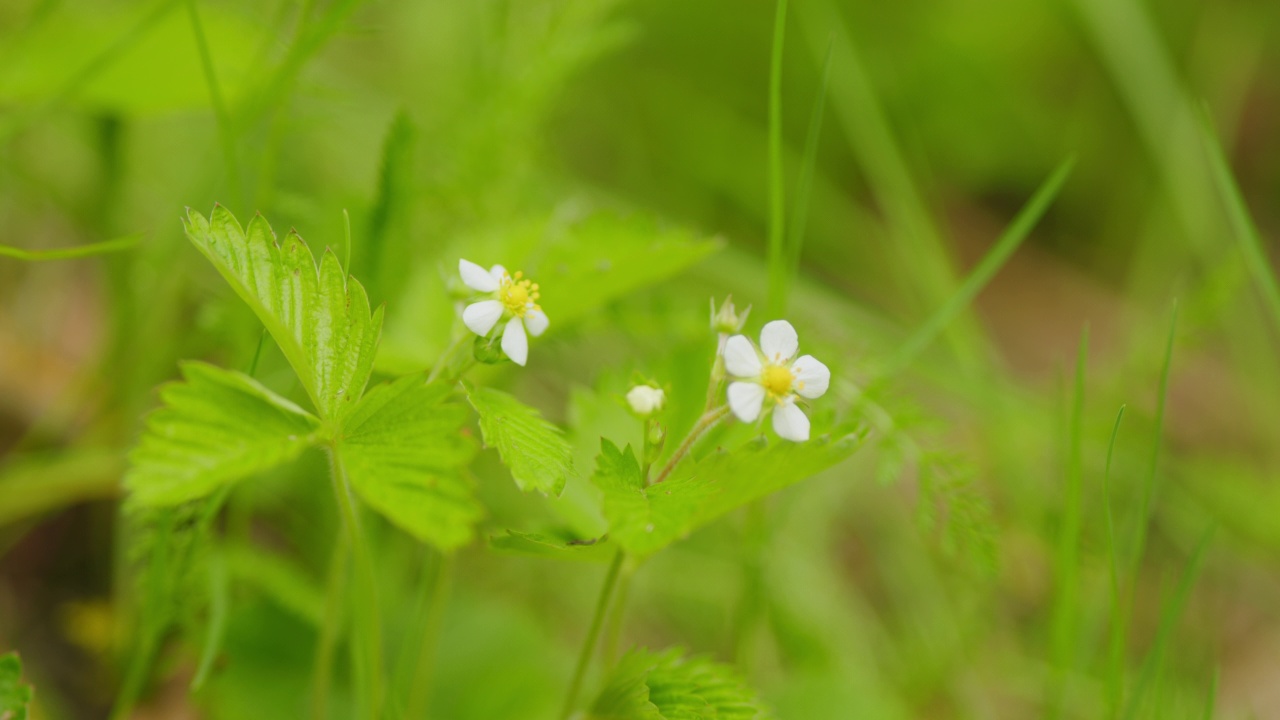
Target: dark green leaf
(522, 543)
(403, 449)
(319, 319)
(669, 686)
(215, 428)
(533, 449)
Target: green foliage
(403, 451)
(670, 686)
(541, 545)
(14, 694)
(533, 449)
(320, 320)
(644, 519)
(215, 428)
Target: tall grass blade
(1066, 608)
(1119, 623)
(808, 165)
(778, 275)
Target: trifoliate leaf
(403, 450)
(643, 519)
(215, 428)
(318, 316)
(669, 686)
(533, 449)
(523, 543)
(14, 694)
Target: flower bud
(645, 400)
(727, 320)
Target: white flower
(512, 299)
(646, 400)
(770, 373)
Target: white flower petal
(497, 272)
(778, 340)
(480, 317)
(476, 277)
(535, 321)
(740, 357)
(790, 422)
(745, 400)
(514, 342)
(812, 377)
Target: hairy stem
(366, 643)
(588, 647)
(705, 423)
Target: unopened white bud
(646, 400)
(727, 320)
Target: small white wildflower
(509, 298)
(646, 400)
(771, 373)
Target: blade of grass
(226, 132)
(219, 600)
(1212, 699)
(990, 264)
(1149, 484)
(1066, 613)
(81, 251)
(808, 165)
(778, 276)
(1119, 625)
(1242, 224)
(1153, 667)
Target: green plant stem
(751, 604)
(102, 248)
(366, 645)
(705, 423)
(614, 631)
(593, 633)
(1115, 676)
(432, 608)
(330, 630)
(646, 426)
(778, 275)
(445, 360)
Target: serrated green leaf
(533, 449)
(403, 447)
(14, 694)
(317, 315)
(645, 519)
(523, 543)
(215, 428)
(669, 686)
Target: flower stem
(446, 359)
(366, 643)
(588, 647)
(705, 423)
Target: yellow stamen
(777, 380)
(517, 294)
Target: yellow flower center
(516, 294)
(777, 380)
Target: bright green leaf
(645, 519)
(403, 449)
(533, 449)
(14, 694)
(669, 686)
(318, 316)
(215, 428)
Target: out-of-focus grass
(909, 135)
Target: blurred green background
(948, 571)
